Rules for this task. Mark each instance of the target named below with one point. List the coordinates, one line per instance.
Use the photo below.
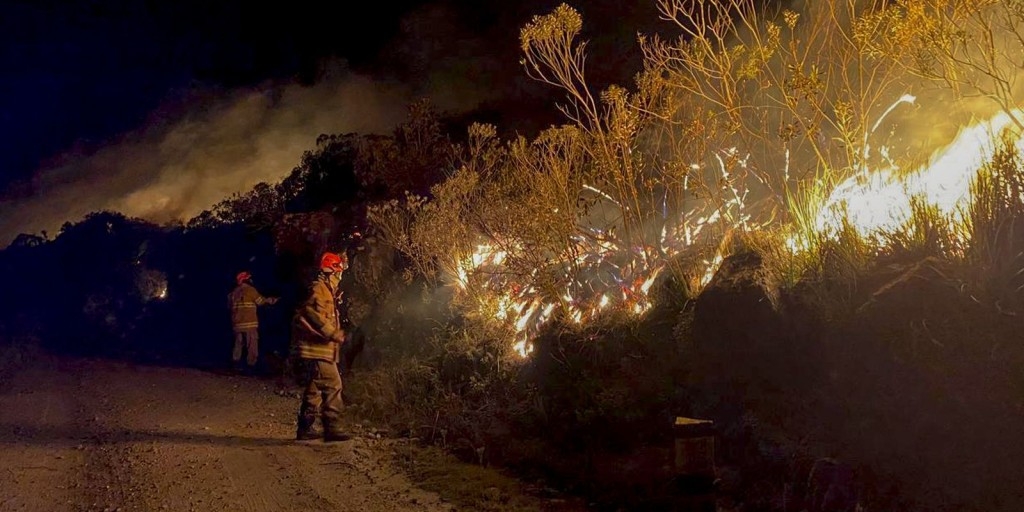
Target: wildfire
(151, 284)
(611, 273)
(881, 201)
(525, 308)
(607, 272)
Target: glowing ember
(605, 273)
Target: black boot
(333, 432)
(306, 435)
(305, 430)
(331, 436)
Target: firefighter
(243, 301)
(317, 337)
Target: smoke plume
(186, 158)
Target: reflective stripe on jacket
(315, 324)
(243, 301)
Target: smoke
(206, 144)
(196, 151)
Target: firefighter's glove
(338, 336)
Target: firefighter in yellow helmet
(243, 301)
(317, 337)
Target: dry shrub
(460, 392)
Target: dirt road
(94, 435)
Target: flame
(881, 202)
(604, 273)
(607, 273)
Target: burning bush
(792, 136)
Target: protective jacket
(243, 301)
(316, 327)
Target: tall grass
(995, 226)
(928, 232)
(798, 251)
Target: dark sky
(83, 71)
(89, 85)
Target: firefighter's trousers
(321, 395)
(249, 340)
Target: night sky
(78, 72)
(161, 108)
